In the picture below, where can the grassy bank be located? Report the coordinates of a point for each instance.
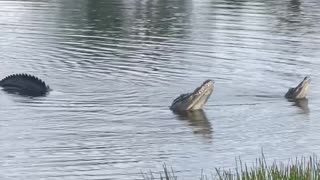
(304, 168)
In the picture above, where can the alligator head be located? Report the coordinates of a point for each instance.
(24, 84)
(195, 100)
(301, 91)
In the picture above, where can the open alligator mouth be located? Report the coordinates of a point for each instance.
(195, 100)
(24, 84)
(301, 91)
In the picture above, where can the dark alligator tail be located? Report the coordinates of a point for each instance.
(24, 84)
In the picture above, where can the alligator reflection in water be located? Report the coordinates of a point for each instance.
(302, 104)
(198, 122)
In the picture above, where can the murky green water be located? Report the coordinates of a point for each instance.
(115, 67)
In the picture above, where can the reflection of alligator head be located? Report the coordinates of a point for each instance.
(195, 100)
(302, 104)
(24, 84)
(301, 91)
(197, 121)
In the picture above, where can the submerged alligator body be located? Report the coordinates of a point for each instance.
(195, 100)
(301, 91)
(24, 84)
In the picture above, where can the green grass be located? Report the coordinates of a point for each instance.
(294, 169)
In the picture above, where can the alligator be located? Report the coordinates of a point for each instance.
(299, 92)
(195, 100)
(25, 85)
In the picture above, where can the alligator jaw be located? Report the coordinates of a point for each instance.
(201, 99)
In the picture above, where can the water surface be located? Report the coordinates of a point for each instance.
(115, 67)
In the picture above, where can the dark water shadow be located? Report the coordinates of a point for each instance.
(118, 37)
(198, 122)
(302, 104)
(145, 19)
(294, 6)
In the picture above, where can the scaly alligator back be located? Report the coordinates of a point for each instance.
(24, 84)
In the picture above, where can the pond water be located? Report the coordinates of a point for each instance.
(115, 66)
